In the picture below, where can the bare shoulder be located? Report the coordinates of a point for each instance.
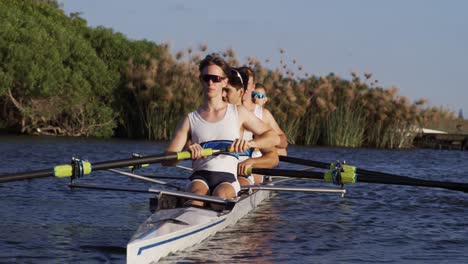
(241, 109)
(267, 113)
(267, 116)
(184, 123)
(270, 120)
(243, 112)
(181, 135)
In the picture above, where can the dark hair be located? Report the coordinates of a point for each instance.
(214, 59)
(234, 79)
(246, 73)
(259, 85)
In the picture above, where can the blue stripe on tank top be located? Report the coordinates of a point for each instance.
(220, 144)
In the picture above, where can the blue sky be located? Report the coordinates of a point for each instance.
(420, 46)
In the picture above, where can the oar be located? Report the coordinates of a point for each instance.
(368, 178)
(324, 165)
(86, 167)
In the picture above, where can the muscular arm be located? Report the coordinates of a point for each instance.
(269, 119)
(265, 137)
(269, 159)
(178, 140)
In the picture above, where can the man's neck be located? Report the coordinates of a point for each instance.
(213, 105)
(249, 104)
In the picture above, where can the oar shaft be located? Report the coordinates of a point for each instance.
(95, 167)
(324, 165)
(407, 181)
(26, 175)
(105, 165)
(381, 179)
(306, 162)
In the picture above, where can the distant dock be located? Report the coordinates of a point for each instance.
(442, 141)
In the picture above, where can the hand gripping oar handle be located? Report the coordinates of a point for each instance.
(67, 169)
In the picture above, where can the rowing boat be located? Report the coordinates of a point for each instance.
(174, 229)
(171, 230)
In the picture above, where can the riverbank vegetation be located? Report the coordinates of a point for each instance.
(60, 77)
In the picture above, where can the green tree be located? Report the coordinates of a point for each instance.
(52, 81)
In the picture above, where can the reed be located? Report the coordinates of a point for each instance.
(311, 128)
(344, 128)
(341, 119)
(159, 91)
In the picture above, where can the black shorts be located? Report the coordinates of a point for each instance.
(213, 178)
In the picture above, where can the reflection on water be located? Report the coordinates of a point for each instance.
(45, 222)
(252, 238)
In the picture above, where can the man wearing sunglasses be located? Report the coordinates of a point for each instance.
(217, 124)
(248, 76)
(259, 95)
(241, 84)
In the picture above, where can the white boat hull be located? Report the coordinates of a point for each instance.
(171, 230)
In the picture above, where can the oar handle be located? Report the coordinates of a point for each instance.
(66, 170)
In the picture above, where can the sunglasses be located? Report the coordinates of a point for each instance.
(256, 95)
(214, 78)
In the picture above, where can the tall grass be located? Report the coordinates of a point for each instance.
(311, 128)
(344, 127)
(159, 92)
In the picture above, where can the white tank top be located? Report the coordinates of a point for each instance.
(226, 129)
(258, 112)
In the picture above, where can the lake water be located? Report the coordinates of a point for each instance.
(43, 221)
